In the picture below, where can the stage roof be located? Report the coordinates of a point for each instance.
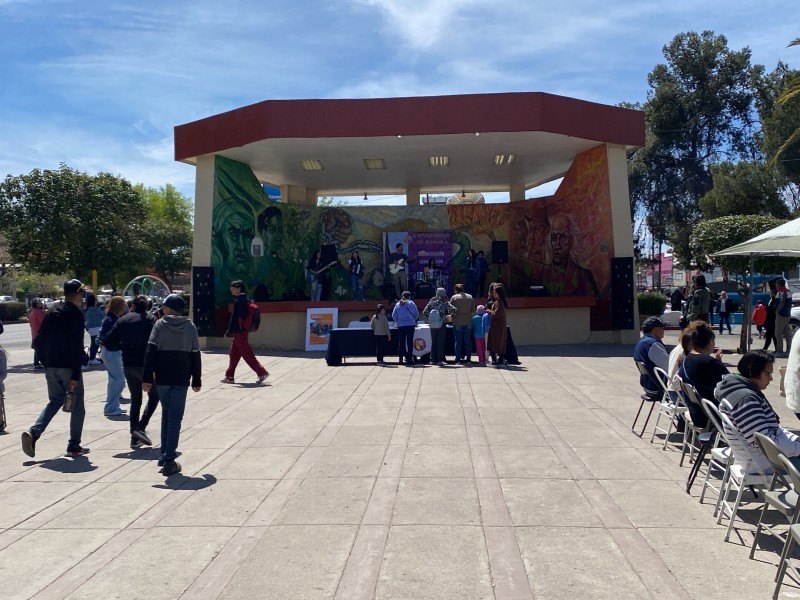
(544, 132)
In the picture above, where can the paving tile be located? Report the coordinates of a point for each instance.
(327, 502)
(445, 434)
(547, 502)
(350, 435)
(437, 461)
(433, 501)
(526, 434)
(348, 461)
(22, 500)
(431, 562)
(271, 462)
(619, 463)
(225, 504)
(528, 461)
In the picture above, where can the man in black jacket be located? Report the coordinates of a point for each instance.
(130, 334)
(60, 346)
(240, 346)
(172, 360)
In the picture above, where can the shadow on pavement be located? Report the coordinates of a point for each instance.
(80, 464)
(181, 482)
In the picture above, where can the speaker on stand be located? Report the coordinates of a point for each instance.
(203, 300)
(500, 257)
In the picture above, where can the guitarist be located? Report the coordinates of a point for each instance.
(318, 275)
(398, 263)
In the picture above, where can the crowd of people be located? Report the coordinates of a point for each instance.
(485, 325)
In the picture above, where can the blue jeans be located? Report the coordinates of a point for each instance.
(357, 285)
(724, 318)
(116, 380)
(173, 405)
(57, 384)
(463, 335)
(316, 290)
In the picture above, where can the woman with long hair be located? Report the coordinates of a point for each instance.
(497, 338)
(356, 268)
(94, 321)
(703, 368)
(112, 357)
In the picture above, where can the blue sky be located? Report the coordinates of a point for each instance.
(100, 85)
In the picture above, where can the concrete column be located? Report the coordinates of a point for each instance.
(412, 196)
(203, 211)
(516, 192)
(298, 194)
(311, 197)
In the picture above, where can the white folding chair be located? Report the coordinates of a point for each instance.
(721, 457)
(667, 408)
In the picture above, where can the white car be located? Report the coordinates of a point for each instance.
(7, 299)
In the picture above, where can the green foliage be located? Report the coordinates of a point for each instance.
(11, 311)
(712, 235)
(788, 100)
(68, 221)
(651, 303)
(744, 188)
(169, 230)
(779, 111)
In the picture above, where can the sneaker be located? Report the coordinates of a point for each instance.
(38, 367)
(227, 380)
(263, 378)
(119, 413)
(76, 451)
(29, 442)
(161, 462)
(441, 363)
(170, 468)
(140, 435)
(94, 362)
(135, 444)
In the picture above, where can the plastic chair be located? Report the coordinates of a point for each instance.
(668, 408)
(793, 535)
(721, 457)
(784, 501)
(692, 434)
(744, 472)
(647, 396)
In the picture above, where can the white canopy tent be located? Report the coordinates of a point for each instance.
(783, 241)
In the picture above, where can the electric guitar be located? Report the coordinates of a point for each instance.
(312, 275)
(397, 266)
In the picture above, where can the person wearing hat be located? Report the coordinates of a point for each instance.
(240, 346)
(59, 344)
(172, 361)
(651, 351)
(438, 323)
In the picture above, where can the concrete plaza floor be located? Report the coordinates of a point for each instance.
(367, 482)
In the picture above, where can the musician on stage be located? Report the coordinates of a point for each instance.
(317, 274)
(398, 269)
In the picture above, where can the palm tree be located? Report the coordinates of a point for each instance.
(790, 92)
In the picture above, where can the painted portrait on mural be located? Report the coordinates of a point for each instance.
(563, 275)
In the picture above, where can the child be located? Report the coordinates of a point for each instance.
(480, 334)
(487, 319)
(380, 326)
(3, 374)
(759, 317)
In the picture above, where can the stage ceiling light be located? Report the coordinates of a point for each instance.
(504, 159)
(439, 161)
(311, 165)
(374, 164)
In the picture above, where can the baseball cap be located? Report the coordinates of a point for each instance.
(651, 323)
(175, 302)
(73, 286)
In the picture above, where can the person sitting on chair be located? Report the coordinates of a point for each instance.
(651, 351)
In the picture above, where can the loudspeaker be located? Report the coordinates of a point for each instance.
(203, 300)
(329, 253)
(499, 252)
(622, 293)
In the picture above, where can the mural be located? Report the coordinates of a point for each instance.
(563, 242)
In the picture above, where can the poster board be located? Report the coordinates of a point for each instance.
(319, 323)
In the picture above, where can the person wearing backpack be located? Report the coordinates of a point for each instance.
(242, 319)
(439, 312)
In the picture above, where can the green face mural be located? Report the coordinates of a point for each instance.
(563, 239)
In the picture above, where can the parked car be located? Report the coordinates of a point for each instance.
(7, 299)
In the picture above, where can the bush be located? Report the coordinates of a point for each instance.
(11, 311)
(651, 303)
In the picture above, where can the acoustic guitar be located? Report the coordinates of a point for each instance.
(313, 275)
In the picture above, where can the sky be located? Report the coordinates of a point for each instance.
(100, 85)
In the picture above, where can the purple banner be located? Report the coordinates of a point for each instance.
(425, 246)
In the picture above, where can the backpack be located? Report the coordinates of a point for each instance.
(253, 319)
(435, 319)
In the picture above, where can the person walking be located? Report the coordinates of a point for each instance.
(439, 312)
(724, 306)
(405, 314)
(172, 360)
(379, 323)
(783, 311)
(238, 330)
(130, 334)
(112, 358)
(769, 322)
(94, 321)
(462, 323)
(759, 317)
(700, 305)
(60, 346)
(35, 318)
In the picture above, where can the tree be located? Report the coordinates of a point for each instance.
(169, 230)
(712, 235)
(744, 188)
(699, 111)
(65, 221)
(789, 100)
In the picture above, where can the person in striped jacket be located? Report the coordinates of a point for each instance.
(742, 399)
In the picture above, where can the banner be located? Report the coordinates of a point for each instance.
(319, 323)
(424, 246)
